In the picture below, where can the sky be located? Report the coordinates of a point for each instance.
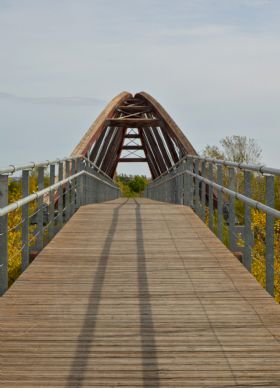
(212, 64)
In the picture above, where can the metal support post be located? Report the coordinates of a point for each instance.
(220, 202)
(51, 220)
(210, 197)
(60, 197)
(25, 221)
(269, 239)
(3, 235)
(232, 186)
(203, 191)
(40, 214)
(67, 191)
(248, 229)
(73, 187)
(196, 201)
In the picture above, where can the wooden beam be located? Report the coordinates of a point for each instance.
(132, 122)
(155, 149)
(132, 147)
(132, 136)
(133, 100)
(150, 154)
(135, 108)
(98, 126)
(132, 160)
(170, 123)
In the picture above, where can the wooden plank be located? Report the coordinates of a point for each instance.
(138, 293)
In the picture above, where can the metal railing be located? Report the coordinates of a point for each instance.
(47, 195)
(223, 194)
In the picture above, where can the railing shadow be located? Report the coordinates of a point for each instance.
(150, 376)
(91, 315)
(147, 331)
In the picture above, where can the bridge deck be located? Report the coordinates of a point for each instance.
(138, 293)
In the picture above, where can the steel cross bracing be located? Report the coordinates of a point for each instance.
(134, 129)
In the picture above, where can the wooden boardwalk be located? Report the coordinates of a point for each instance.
(138, 293)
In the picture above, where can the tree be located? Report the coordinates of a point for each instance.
(132, 185)
(239, 149)
(213, 152)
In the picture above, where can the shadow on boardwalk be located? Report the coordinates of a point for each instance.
(150, 371)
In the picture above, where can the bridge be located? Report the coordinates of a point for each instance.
(156, 291)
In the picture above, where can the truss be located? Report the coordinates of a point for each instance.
(134, 129)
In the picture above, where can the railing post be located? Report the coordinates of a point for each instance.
(73, 187)
(60, 196)
(210, 196)
(40, 214)
(203, 191)
(51, 204)
(247, 215)
(220, 202)
(67, 191)
(269, 236)
(4, 182)
(170, 184)
(25, 221)
(181, 180)
(196, 180)
(80, 191)
(187, 183)
(232, 186)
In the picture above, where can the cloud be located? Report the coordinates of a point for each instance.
(68, 101)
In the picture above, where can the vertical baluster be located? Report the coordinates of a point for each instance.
(269, 239)
(25, 221)
(191, 184)
(81, 184)
(4, 181)
(60, 205)
(203, 191)
(171, 186)
(40, 214)
(187, 183)
(51, 220)
(210, 197)
(196, 203)
(220, 202)
(86, 183)
(181, 169)
(248, 229)
(67, 191)
(73, 187)
(232, 186)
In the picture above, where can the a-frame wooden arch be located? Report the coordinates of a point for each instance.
(134, 129)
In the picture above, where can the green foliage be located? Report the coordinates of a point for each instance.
(132, 185)
(14, 226)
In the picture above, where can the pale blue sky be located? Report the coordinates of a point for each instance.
(213, 64)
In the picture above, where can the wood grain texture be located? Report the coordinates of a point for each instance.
(138, 293)
(99, 124)
(170, 123)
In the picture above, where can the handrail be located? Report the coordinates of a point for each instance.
(72, 183)
(256, 204)
(199, 182)
(241, 166)
(11, 169)
(24, 201)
